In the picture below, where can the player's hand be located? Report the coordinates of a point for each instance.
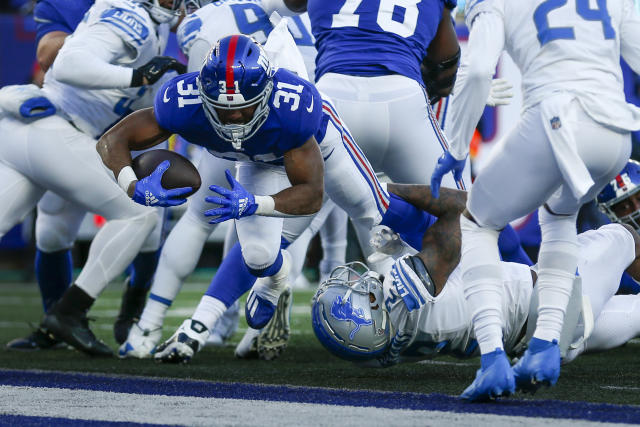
(500, 93)
(151, 72)
(235, 202)
(446, 163)
(150, 192)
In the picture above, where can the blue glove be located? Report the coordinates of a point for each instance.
(446, 164)
(235, 203)
(150, 192)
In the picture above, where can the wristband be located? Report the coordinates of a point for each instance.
(266, 205)
(126, 177)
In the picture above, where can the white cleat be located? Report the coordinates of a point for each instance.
(183, 345)
(247, 348)
(140, 343)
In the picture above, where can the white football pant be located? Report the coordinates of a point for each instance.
(50, 154)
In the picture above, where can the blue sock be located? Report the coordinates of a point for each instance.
(510, 247)
(403, 217)
(54, 273)
(232, 278)
(142, 269)
(628, 286)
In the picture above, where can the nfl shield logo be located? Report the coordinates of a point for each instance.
(555, 123)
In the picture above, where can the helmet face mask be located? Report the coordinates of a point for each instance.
(620, 199)
(236, 75)
(160, 13)
(348, 313)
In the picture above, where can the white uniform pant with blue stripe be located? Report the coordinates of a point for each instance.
(349, 181)
(392, 122)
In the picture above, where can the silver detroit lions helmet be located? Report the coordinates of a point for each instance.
(348, 314)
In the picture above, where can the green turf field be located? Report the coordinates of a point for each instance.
(612, 377)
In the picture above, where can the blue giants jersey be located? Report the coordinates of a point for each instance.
(295, 115)
(374, 37)
(59, 15)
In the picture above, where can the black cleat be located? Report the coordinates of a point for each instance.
(37, 340)
(74, 330)
(133, 300)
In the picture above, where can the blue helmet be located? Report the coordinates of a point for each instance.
(348, 313)
(620, 189)
(236, 74)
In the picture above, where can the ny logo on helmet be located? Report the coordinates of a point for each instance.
(343, 310)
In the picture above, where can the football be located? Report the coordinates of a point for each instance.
(181, 173)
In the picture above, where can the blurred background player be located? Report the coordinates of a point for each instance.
(561, 134)
(105, 43)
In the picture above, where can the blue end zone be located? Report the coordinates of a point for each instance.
(26, 421)
(391, 400)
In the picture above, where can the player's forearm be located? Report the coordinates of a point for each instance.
(473, 84)
(48, 48)
(137, 131)
(301, 199)
(450, 202)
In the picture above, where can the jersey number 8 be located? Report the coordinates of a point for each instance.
(347, 17)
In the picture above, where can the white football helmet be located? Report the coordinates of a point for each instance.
(348, 313)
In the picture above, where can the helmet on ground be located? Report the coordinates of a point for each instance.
(348, 313)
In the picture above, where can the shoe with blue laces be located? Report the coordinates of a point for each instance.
(493, 379)
(539, 366)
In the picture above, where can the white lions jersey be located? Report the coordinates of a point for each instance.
(444, 326)
(571, 46)
(94, 111)
(222, 18)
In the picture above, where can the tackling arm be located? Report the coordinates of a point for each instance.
(440, 66)
(137, 131)
(441, 243)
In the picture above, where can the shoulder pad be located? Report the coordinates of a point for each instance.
(128, 24)
(188, 32)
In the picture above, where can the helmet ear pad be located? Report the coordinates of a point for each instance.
(236, 74)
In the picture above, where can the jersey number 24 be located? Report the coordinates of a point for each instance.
(347, 17)
(547, 33)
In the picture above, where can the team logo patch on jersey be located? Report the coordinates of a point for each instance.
(128, 22)
(343, 310)
(555, 123)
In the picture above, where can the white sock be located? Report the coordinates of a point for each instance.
(209, 311)
(333, 237)
(482, 278)
(557, 263)
(153, 315)
(271, 287)
(112, 249)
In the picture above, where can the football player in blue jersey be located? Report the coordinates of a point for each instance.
(382, 62)
(289, 144)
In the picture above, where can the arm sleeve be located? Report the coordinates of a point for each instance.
(630, 35)
(197, 53)
(486, 42)
(85, 61)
